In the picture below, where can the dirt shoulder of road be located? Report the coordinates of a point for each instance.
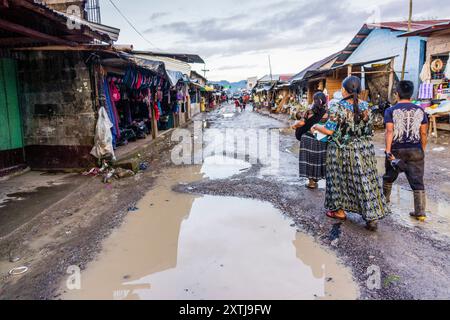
(413, 265)
(70, 232)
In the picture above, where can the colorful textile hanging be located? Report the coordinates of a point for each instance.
(112, 112)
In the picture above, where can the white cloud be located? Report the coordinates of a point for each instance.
(236, 36)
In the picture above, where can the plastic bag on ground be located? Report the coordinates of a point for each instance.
(103, 147)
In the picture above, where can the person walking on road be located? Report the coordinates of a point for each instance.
(352, 177)
(313, 152)
(406, 141)
(237, 103)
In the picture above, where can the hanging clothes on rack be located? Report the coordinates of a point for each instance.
(112, 112)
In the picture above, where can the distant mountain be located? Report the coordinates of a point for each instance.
(234, 86)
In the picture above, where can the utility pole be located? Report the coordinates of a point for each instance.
(405, 54)
(270, 68)
(205, 71)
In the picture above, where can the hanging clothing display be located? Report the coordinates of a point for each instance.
(425, 75)
(426, 91)
(112, 112)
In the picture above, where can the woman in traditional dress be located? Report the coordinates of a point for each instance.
(352, 177)
(313, 152)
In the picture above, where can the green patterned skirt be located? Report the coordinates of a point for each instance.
(352, 181)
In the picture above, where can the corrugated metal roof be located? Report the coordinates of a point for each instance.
(426, 32)
(314, 67)
(171, 64)
(174, 70)
(368, 28)
(276, 77)
(403, 25)
(105, 33)
(189, 58)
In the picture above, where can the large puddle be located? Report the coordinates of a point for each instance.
(220, 167)
(402, 201)
(179, 246)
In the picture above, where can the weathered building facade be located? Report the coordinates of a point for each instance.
(57, 109)
(47, 113)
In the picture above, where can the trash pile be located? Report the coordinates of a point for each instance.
(109, 173)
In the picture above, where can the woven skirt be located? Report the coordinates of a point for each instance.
(352, 181)
(313, 157)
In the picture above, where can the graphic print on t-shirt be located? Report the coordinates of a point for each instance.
(407, 124)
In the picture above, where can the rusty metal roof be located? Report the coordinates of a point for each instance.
(426, 32)
(403, 25)
(31, 23)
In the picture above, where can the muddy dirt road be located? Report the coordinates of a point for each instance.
(229, 229)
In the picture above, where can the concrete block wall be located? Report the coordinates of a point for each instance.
(438, 44)
(57, 109)
(63, 5)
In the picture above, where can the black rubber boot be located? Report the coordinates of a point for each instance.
(420, 204)
(387, 190)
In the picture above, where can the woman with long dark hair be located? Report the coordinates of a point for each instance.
(352, 177)
(313, 152)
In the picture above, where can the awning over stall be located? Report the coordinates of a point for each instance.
(154, 66)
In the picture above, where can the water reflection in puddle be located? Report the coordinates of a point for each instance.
(179, 246)
(220, 167)
(438, 211)
(403, 203)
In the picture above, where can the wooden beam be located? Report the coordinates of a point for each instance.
(391, 80)
(17, 41)
(349, 70)
(372, 72)
(7, 42)
(16, 28)
(81, 47)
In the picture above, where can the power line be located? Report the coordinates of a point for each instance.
(131, 24)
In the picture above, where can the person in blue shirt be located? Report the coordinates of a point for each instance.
(406, 141)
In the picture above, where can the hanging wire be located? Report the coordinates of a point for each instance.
(132, 26)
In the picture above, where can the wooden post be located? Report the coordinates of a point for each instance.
(405, 51)
(154, 123)
(363, 78)
(391, 79)
(349, 70)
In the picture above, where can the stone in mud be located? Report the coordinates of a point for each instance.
(123, 173)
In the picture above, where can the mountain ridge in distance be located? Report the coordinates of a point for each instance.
(235, 86)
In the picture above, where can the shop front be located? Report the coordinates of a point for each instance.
(434, 91)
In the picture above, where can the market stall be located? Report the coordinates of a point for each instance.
(434, 92)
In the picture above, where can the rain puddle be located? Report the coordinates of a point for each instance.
(438, 211)
(220, 167)
(403, 203)
(179, 246)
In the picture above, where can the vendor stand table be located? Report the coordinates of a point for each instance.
(434, 125)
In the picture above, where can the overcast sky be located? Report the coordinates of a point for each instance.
(235, 37)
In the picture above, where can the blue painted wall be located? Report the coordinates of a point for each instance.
(382, 43)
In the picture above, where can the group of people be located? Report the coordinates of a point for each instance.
(241, 103)
(336, 145)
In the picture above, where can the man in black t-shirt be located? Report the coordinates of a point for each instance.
(406, 140)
